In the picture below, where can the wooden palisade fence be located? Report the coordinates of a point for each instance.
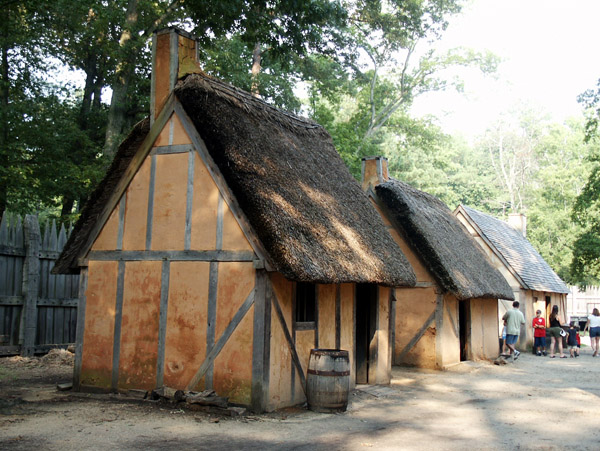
(38, 310)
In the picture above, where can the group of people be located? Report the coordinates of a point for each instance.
(514, 319)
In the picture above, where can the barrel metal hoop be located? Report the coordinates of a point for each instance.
(328, 373)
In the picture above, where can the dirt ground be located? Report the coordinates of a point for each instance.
(534, 403)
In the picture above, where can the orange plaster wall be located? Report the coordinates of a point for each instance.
(305, 341)
(483, 328)
(168, 222)
(163, 137)
(139, 327)
(326, 296)
(413, 307)
(347, 323)
(384, 367)
(448, 342)
(233, 237)
(204, 208)
(107, 239)
(280, 357)
(96, 366)
(180, 136)
(421, 272)
(136, 209)
(185, 346)
(233, 366)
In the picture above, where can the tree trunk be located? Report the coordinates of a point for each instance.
(125, 68)
(91, 72)
(256, 60)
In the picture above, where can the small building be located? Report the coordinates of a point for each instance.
(452, 313)
(226, 241)
(535, 284)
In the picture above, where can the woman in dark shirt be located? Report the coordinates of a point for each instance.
(554, 332)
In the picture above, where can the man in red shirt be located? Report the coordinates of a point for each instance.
(539, 333)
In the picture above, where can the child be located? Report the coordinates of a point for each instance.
(539, 333)
(572, 340)
(505, 350)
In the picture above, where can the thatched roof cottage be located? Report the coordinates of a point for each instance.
(226, 241)
(452, 313)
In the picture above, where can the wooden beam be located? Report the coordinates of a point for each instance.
(211, 318)
(150, 210)
(170, 149)
(122, 205)
(162, 321)
(79, 334)
(260, 343)
(216, 349)
(338, 316)
(189, 201)
(206, 256)
(117, 331)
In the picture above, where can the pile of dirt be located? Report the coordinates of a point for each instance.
(58, 357)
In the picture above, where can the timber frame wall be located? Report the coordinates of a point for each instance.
(175, 289)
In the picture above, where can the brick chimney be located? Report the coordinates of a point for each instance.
(174, 54)
(374, 171)
(518, 221)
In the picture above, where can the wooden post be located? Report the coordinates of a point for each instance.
(83, 279)
(31, 273)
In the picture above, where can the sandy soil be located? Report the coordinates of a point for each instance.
(534, 403)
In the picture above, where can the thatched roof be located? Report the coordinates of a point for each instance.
(518, 253)
(310, 215)
(451, 255)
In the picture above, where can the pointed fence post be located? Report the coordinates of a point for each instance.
(31, 271)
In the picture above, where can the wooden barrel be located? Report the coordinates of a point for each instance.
(328, 380)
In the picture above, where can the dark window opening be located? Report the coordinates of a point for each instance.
(305, 302)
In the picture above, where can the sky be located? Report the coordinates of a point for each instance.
(549, 52)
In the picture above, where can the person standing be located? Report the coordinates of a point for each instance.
(514, 320)
(593, 324)
(539, 333)
(554, 332)
(572, 340)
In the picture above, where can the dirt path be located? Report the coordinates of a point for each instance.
(535, 403)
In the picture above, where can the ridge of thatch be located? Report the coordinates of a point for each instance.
(66, 262)
(518, 252)
(452, 256)
(308, 211)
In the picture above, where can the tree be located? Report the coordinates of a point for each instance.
(380, 86)
(585, 266)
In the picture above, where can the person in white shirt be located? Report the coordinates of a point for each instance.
(593, 324)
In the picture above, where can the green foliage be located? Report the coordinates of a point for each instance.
(586, 213)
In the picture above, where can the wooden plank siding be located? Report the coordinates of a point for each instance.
(26, 261)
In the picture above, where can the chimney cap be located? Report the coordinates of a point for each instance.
(177, 30)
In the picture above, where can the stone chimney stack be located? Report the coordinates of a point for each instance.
(374, 171)
(518, 221)
(174, 54)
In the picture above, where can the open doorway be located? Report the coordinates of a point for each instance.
(463, 328)
(366, 326)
